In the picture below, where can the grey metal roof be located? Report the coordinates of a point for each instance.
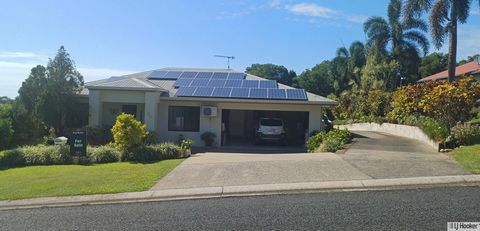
(139, 81)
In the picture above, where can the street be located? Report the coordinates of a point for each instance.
(413, 209)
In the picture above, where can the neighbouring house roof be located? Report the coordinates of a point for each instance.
(471, 68)
(141, 81)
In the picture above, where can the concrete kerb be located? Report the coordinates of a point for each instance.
(244, 190)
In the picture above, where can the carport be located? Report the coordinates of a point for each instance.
(239, 126)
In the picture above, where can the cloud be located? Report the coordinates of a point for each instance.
(16, 54)
(311, 10)
(475, 11)
(15, 68)
(467, 42)
(275, 3)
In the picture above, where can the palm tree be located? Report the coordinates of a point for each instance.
(404, 36)
(353, 59)
(444, 17)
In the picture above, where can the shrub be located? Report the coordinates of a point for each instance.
(314, 141)
(330, 141)
(208, 138)
(103, 154)
(434, 129)
(127, 132)
(12, 157)
(98, 136)
(151, 138)
(330, 144)
(465, 134)
(161, 151)
(6, 132)
(46, 155)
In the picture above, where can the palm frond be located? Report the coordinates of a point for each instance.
(462, 7)
(342, 52)
(394, 11)
(414, 8)
(415, 23)
(419, 39)
(438, 17)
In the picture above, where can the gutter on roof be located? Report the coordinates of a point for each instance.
(126, 88)
(301, 102)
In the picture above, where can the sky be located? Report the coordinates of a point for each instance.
(110, 38)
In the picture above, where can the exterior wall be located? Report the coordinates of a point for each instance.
(110, 111)
(213, 124)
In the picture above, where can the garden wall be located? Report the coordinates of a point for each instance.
(393, 129)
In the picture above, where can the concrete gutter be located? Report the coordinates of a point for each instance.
(244, 190)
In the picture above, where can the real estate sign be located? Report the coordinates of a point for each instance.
(78, 143)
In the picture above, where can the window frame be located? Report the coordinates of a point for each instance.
(190, 113)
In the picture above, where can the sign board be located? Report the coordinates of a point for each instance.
(78, 143)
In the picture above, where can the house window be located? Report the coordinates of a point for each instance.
(130, 109)
(183, 118)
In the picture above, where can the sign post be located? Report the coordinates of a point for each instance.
(78, 143)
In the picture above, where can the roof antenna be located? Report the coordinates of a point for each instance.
(226, 57)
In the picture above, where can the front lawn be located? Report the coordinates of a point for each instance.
(66, 180)
(468, 157)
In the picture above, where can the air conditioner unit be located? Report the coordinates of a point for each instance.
(209, 111)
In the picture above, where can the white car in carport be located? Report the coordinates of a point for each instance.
(270, 129)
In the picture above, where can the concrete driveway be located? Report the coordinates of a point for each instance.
(372, 156)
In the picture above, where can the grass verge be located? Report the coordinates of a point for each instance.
(468, 157)
(67, 180)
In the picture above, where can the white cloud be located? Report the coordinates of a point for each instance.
(275, 3)
(16, 54)
(467, 42)
(15, 68)
(311, 9)
(475, 10)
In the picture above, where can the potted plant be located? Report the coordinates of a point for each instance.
(186, 146)
(208, 138)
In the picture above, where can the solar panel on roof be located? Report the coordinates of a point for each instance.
(258, 93)
(183, 82)
(236, 75)
(233, 83)
(250, 84)
(268, 84)
(221, 92)
(219, 75)
(216, 82)
(185, 91)
(240, 92)
(188, 74)
(203, 91)
(199, 82)
(204, 75)
(275, 93)
(157, 74)
(296, 94)
(172, 74)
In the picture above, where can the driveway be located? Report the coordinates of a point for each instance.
(372, 156)
(379, 155)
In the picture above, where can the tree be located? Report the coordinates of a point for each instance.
(467, 60)
(274, 72)
(318, 80)
(48, 93)
(5, 100)
(6, 129)
(404, 36)
(347, 65)
(444, 18)
(432, 64)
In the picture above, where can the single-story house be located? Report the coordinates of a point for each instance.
(468, 69)
(187, 102)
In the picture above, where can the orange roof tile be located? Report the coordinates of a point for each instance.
(459, 70)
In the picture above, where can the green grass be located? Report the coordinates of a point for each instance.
(66, 180)
(468, 157)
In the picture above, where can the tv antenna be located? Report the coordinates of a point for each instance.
(226, 57)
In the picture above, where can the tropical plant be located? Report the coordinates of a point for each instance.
(208, 138)
(404, 36)
(347, 65)
(128, 132)
(444, 18)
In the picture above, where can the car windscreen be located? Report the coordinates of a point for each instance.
(271, 122)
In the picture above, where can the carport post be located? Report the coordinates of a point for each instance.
(315, 122)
